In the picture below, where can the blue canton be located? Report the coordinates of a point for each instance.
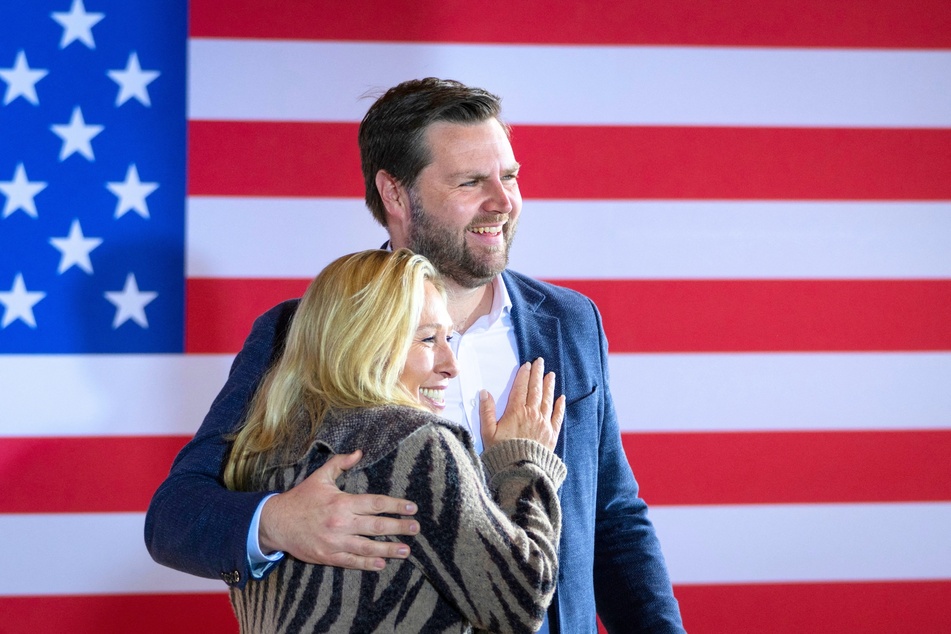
(92, 176)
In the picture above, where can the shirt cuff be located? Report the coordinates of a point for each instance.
(258, 562)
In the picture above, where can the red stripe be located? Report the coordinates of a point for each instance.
(772, 315)
(874, 23)
(672, 469)
(791, 467)
(219, 312)
(669, 315)
(119, 614)
(912, 606)
(869, 608)
(91, 474)
(733, 163)
(619, 162)
(273, 159)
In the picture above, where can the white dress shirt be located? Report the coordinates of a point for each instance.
(487, 359)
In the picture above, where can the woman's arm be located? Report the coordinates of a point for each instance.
(490, 549)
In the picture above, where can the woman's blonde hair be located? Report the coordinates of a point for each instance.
(345, 348)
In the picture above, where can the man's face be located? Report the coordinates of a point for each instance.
(466, 203)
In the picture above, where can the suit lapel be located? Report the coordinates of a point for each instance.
(537, 333)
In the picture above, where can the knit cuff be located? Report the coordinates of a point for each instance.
(511, 452)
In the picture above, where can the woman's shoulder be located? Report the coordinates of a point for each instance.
(378, 431)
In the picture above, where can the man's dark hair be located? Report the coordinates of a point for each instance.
(391, 133)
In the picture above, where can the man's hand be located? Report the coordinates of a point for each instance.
(316, 522)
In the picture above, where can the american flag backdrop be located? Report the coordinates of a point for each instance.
(756, 194)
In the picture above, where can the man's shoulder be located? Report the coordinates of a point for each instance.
(525, 289)
(280, 313)
(275, 321)
(521, 283)
(266, 340)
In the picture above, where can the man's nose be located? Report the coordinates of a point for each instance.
(499, 197)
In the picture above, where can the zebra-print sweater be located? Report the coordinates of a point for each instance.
(486, 554)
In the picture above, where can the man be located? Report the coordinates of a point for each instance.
(441, 176)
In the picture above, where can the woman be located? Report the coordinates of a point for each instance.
(365, 366)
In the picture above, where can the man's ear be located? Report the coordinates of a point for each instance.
(394, 196)
(395, 199)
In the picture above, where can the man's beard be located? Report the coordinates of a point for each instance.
(451, 255)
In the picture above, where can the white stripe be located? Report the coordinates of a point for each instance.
(104, 553)
(236, 237)
(95, 553)
(733, 240)
(129, 395)
(101, 395)
(750, 392)
(755, 86)
(800, 542)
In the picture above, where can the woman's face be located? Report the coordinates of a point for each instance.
(430, 362)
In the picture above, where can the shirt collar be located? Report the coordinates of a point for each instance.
(501, 300)
(499, 315)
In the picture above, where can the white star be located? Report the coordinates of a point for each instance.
(75, 249)
(19, 303)
(77, 24)
(20, 193)
(77, 136)
(130, 303)
(21, 80)
(133, 81)
(132, 193)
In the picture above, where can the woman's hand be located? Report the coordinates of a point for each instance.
(532, 411)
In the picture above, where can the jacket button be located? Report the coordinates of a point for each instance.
(231, 578)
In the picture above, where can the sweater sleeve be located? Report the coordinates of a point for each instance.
(491, 549)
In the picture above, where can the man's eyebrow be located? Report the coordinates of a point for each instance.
(473, 175)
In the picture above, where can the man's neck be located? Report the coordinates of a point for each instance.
(466, 305)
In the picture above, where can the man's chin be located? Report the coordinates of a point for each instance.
(473, 276)
(465, 266)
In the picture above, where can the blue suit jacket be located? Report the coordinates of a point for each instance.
(609, 556)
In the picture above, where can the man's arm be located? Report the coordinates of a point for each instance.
(632, 585)
(194, 524)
